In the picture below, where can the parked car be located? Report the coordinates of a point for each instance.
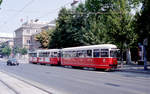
(12, 62)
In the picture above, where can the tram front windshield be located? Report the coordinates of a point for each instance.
(114, 53)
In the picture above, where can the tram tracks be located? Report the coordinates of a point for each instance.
(9, 87)
(12, 87)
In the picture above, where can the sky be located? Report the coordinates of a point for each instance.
(15, 12)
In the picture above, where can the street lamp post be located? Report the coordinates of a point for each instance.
(145, 42)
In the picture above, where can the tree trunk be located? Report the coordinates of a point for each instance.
(128, 56)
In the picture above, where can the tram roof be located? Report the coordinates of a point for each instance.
(44, 50)
(100, 46)
(47, 50)
(32, 52)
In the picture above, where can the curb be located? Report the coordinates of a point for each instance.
(134, 71)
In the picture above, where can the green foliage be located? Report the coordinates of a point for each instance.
(1, 1)
(16, 50)
(59, 36)
(23, 51)
(96, 22)
(96, 6)
(3, 45)
(6, 51)
(68, 30)
(44, 37)
(120, 25)
(143, 24)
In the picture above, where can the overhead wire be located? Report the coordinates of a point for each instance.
(26, 5)
(51, 12)
(19, 11)
(29, 3)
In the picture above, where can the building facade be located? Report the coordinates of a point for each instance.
(24, 36)
(10, 43)
(5, 39)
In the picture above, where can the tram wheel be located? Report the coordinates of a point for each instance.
(107, 70)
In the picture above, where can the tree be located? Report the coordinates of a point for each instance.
(60, 36)
(23, 51)
(96, 22)
(1, 1)
(16, 50)
(96, 32)
(68, 30)
(143, 26)
(44, 37)
(120, 25)
(6, 51)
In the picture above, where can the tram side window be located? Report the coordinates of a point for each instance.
(40, 54)
(96, 53)
(80, 53)
(66, 54)
(54, 54)
(104, 53)
(89, 53)
(74, 53)
(84, 53)
(113, 53)
(46, 54)
(33, 55)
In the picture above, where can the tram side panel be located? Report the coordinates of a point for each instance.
(105, 63)
(101, 63)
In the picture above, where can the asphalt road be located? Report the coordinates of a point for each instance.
(61, 80)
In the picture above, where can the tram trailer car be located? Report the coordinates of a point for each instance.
(33, 57)
(102, 56)
(50, 56)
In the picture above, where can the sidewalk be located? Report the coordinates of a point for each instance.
(12, 85)
(134, 68)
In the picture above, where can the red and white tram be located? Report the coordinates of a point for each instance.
(102, 56)
(50, 56)
(96, 56)
(33, 57)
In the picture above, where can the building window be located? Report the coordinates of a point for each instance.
(28, 31)
(28, 41)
